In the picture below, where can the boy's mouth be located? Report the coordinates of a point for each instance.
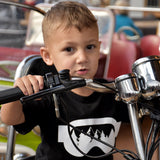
(82, 71)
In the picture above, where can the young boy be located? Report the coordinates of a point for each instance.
(71, 42)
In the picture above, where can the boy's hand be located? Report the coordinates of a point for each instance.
(30, 84)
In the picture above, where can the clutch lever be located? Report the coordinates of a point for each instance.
(72, 84)
(68, 85)
(63, 84)
(55, 84)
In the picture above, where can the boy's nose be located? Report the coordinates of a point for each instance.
(82, 57)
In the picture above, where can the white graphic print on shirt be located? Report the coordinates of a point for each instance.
(85, 143)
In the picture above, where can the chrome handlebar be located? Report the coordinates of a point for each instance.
(144, 81)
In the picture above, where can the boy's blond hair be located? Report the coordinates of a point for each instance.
(65, 15)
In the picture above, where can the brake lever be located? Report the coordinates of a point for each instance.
(57, 85)
(68, 85)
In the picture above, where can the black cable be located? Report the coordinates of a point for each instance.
(107, 144)
(155, 132)
(150, 107)
(80, 131)
(114, 90)
(148, 138)
(24, 6)
(89, 156)
(129, 157)
(151, 146)
(154, 117)
(156, 144)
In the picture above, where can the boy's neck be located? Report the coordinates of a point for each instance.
(83, 91)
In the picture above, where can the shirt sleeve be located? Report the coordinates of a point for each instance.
(33, 111)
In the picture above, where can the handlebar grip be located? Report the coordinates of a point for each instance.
(10, 95)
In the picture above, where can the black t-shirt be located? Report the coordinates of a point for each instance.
(98, 115)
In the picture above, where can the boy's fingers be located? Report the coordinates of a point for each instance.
(19, 83)
(37, 83)
(27, 82)
(30, 84)
(40, 81)
(33, 83)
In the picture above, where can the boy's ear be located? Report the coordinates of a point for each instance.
(46, 56)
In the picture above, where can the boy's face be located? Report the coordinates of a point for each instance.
(73, 50)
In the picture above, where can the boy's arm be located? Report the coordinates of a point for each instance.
(12, 113)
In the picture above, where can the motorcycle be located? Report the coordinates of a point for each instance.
(143, 82)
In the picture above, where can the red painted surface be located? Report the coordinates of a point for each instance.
(15, 54)
(12, 54)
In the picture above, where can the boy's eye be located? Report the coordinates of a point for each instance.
(91, 46)
(69, 49)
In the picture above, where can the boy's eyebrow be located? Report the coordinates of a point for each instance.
(87, 41)
(93, 40)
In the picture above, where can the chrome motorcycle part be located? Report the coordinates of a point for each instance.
(148, 70)
(128, 87)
